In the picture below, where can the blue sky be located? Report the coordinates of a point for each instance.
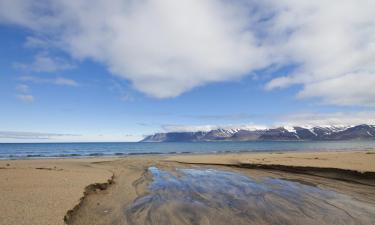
(84, 84)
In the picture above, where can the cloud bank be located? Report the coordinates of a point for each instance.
(43, 137)
(195, 128)
(167, 47)
(328, 119)
(299, 119)
(31, 135)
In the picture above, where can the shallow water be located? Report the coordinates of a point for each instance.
(210, 196)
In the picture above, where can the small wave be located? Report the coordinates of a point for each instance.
(96, 154)
(68, 155)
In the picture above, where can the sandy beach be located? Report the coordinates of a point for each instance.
(42, 191)
(99, 190)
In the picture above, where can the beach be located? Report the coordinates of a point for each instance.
(187, 112)
(101, 190)
(41, 191)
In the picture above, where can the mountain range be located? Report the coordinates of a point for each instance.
(286, 133)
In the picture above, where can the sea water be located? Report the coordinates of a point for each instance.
(36, 150)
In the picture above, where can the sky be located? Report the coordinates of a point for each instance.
(97, 70)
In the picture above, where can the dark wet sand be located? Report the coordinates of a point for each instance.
(157, 191)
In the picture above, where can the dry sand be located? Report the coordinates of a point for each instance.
(41, 192)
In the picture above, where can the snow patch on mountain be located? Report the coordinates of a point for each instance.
(251, 133)
(290, 129)
(232, 129)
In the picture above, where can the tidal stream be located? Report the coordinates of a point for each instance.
(211, 196)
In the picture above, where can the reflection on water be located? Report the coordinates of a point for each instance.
(207, 196)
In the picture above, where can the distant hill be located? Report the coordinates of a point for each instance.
(318, 133)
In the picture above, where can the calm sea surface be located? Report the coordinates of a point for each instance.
(130, 148)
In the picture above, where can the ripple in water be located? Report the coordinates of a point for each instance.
(208, 196)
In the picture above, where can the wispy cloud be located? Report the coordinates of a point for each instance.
(122, 90)
(127, 98)
(31, 135)
(298, 119)
(65, 81)
(336, 118)
(26, 98)
(56, 81)
(235, 116)
(22, 137)
(22, 88)
(39, 43)
(43, 62)
(192, 128)
(351, 89)
(23, 93)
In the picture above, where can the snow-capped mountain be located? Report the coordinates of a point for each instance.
(289, 133)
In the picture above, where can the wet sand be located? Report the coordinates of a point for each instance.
(49, 191)
(198, 195)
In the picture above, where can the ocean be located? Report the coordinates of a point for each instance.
(61, 150)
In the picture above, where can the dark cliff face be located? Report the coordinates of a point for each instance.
(360, 132)
(217, 135)
(246, 135)
(279, 134)
(175, 137)
(365, 132)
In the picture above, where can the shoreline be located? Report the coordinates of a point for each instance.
(46, 191)
(162, 154)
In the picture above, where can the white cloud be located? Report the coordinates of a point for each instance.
(298, 119)
(164, 47)
(44, 137)
(23, 91)
(321, 119)
(30, 135)
(350, 89)
(57, 81)
(24, 95)
(193, 128)
(167, 47)
(65, 81)
(45, 63)
(35, 42)
(334, 44)
(236, 116)
(187, 128)
(26, 98)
